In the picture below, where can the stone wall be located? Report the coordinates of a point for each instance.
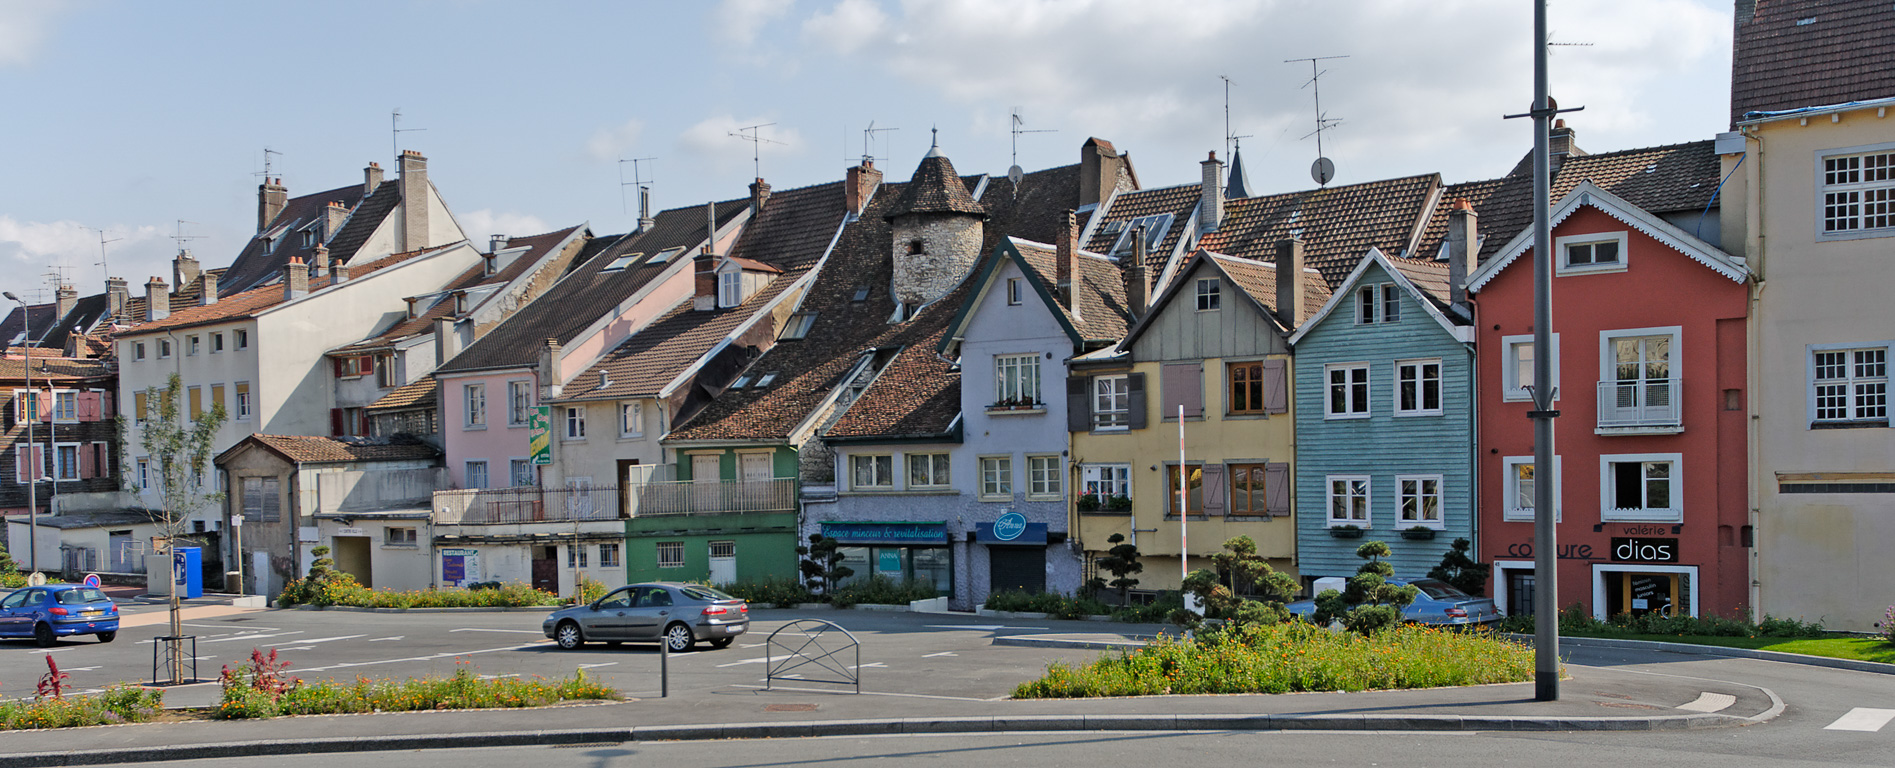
(949, 245)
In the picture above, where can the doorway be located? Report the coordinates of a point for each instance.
(723, 562)
(1520, 594)
(352, 557)
(546, 569)
(1016, 569)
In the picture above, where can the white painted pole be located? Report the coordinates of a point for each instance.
(1184, 507)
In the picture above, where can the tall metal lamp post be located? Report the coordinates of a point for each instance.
(32, 483)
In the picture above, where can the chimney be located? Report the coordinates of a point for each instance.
(1211, 195)
(341, 273)
(333, 216)
(184, 269)
(295, 279)
(1099, 167)
(447, 342)
(320, 267)
(207, 290)
(65, 296)
(414, 201)
(1560, 145)
(704, 294)
(117, 295)
(1137, 278)
(645, 221)
(1289, 282)
(371, 179)
(271, 197)
(860, 187)
(759, 193)
(549, 370)
(496, 243)
(157, 299)
(1066, 256)
(1463, 247)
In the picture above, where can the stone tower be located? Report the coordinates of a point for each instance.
(937, 229)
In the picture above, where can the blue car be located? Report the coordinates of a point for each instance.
(58, 610)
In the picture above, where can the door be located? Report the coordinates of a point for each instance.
(118, 547)
(756, 471)
(610, 620)
(352, 557)
(723, 562)
(1643, 377)
(649, 614)
(1016, 569)
(1519, 592)
(546, 569)
(13, 619)
(705, 471)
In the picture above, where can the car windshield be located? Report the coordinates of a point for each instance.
(704, 593)
(1439, 590)
(82, 596)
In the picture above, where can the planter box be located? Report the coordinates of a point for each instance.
(1346, 533)
(1423, 534)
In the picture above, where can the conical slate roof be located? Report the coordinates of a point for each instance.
(1239, 184)
(935, 188)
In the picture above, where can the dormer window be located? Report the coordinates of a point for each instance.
(309, 238)
(730, 289)
(798, 326)
(460, 304)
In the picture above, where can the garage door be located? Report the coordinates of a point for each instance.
(1016, 569)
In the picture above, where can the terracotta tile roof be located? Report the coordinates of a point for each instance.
(257, 264)
(1258, 278)
(419, 393)
(1430, 276)
(1338, 224)
(935, 188)
(1103, 315)
(442, 302)
(255, 300)
(307, 449)
(1789, 54)
(918, 394)
(52, 368)
(1179, 201)
(1033, 210)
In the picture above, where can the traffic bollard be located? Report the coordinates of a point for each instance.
(664, 669)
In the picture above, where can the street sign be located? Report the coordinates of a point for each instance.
(91, 580)
(236, 521)
(539, 420)
(179, 572)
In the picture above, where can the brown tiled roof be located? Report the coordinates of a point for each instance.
(14, 368)
(255, 300)
(1337, 224)
(256, 264)
(1430, 276)
(918, 394)
(935, 188)
(539, 247)
(1790, 54)
(1033, 210)
(1102, 314)
(1179, 201)
(1258, 278)
(307, 449)
(419, 393)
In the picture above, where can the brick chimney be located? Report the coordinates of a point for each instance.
(1290, 287)
(157, 299)
(1066, 256)
(295, 279)
(207, 289)
(1099, 167)
(184, 269)
(271, 197)
(1560, 145)
(1137, 278)
(549, 370)
(65, 297)
(371, 179)
(1211, 195)
(117, 295)
(333, 215)
(1463, 247)
(704, 281)
(319, 267)
(414, 201)
(759, 194)
(860, 186)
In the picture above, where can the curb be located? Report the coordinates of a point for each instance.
(1718, 650)
(1037, 641)
(492, 609)
(889, 726)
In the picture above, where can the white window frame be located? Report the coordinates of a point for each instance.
(393, 536)
(1402, 495)
(881, 471)
(138, 350)
(1106, 480)
(514, 475)
(519, 410)
(730, 288)
(217, 343)
(164, 349)
(1366, 501)
(934, 462)
(1851, 382)
(1883, 187)
(241, 396)
(1510, 490)
(668, 554)
(574, 420)
(1510, 368)
(240, 338)
(144, 473)
(1210, 294)
(467, 474)
(1421, 391)
(1671, 514)
(1350, 411)
(60, 465)
(996, 478)
(1372, 301)
(1563, 246)
(632, 419)
(1609, 359)
(1015, 375)
(1391, 303)
(1015, 296)
(609, 555)
(65, 406)
(1045, 475)
(474, 406)
(192, 344)
(1111, 403)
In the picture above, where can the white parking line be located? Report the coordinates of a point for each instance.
(758, 660)
(294, 648)
(313, 642)
(943, 653)
(482, 629)
(250, 637)
(1862, 719)
(379, 639)
(433, 657)
(594, 666)
(1709, 702)
(979, 627)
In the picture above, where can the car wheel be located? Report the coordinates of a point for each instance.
(567, 635)
(43, 634)
(679, 638)
(106, 637)
(722, 642)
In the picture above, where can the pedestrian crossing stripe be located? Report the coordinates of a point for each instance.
(1862, 719)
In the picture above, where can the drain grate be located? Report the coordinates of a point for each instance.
(1627, 705)
(789, 708)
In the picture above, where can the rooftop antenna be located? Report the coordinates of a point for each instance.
(1323, 170)
(868, 134)
(755, 137)
(1550, 44)
(395, 131)
(102, 241)
(1015, 173)
(1227, 135)
(638, 179)
(268, 171)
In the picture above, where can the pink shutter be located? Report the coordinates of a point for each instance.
(87, 470)
(39, 462)
(106, 403)
(89, 406)
(46, 405)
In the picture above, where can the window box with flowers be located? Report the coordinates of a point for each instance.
(1020, 404)
(1346, 532)
(1418, 533)
(1095, 502)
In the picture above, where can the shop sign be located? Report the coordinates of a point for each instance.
(460, 567)
(1632, 549)
(886, 533)
(539, 441)
(1016, 532)
(1009, 526)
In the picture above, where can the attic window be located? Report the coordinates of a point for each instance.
(309, 238)
(621, 262)
(741, 382)
(1156, 226)
(666, 254)
(915, 246)
(798, 326)
(768, 379)
(460, 304)
(861, 293)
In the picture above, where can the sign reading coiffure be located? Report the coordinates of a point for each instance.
(1638, 549)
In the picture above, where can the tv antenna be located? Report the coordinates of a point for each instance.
(182, 238)
(755, 137)
(1323, 170)
(1551, 44)
(268, 171)
(868, 136)
(638, 178)
(394, 133)
(1227, 134)
(1015, 173)
(102, 242)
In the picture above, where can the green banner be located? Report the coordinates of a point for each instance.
(540, 421)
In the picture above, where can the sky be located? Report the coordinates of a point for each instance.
(128, 117)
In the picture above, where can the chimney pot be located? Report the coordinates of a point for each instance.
(1137, 277)
(117, 295)
(1290, 289)
(66, 297)
(1211, 195)
(207, 289)
(860, 186)
(295, 279)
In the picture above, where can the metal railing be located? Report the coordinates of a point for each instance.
(1640, 403)
(818, 648)
(525, 504)
(686, 497)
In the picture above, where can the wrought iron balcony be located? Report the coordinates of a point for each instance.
(687, 497)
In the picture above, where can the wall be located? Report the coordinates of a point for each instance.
(950, 245)
(765, 546)
(498, 442)
(390, 567)
(204, 370)
(598, 454)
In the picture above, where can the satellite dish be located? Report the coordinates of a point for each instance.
(1014, 174)
(1322, 170)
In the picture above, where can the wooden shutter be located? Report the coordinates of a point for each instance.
(46, 405)
(140, 401)
(1135, 400)
(19, 406)
(101, 459)
(1078, 404)
(20, 473)
(340, 371)
(39, 468)
(1276, 386)
(88, 406)
(1276, 488)
(1214, 491)
(1184, 386)
(367, 364)
(87, 468)
(107, 403)
(335, 422)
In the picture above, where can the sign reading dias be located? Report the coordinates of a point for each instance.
(539, 420)
(1628, 549)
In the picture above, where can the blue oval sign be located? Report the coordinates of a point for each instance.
(1009, 526)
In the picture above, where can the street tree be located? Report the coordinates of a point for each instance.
(822, 563)
(179, 445)
(1122, 562)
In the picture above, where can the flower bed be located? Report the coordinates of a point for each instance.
(263, 688)
(118, 704)
(342, 589)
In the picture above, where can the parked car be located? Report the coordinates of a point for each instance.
(1437, 604)
(678, 615)
(53, 611)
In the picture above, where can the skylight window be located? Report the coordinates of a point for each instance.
(861, 293)
(666, 254)
(1155, 226)
(621, 262)
(767, 380)
(798, 326)
(741, 382)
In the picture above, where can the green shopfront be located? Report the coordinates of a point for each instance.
(897, 551)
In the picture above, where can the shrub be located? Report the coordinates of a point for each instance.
(1460, 570)
(259, 689)
(781, 591)
(117, 704)
(1122, 562)
(1237, 575)
(881, 590)
(589, 591)
(1576, 620)
(1888, 625)
(339, 588)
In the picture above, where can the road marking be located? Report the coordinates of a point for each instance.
(866, 693)
(751, 645)
(344, 665)
(758, 660)
(980, 627)
(497, 677)
(875, 664)
(480, 629)
(294, 648)
(81, 669)
(1862, 719)
(313, 642)
(247, 628)
(595, 666)
(251, 637)
(943, 653)
(379, 639)
(1710, 702)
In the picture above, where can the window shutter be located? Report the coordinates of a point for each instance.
(20, 473)
(368, 364)
(85, 406)
(335, 422)
(46, 405)
(1276, 386)
(1184, 386)
(337, 362)
(1135, 400)
(1276, 488)
(39, 462)
(1213, 488)
(1078, 404)
(101, 460)
(141, 402)
(106, 405)
(19, 405)
(86, 463)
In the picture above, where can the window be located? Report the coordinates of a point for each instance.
(875, 472)
(609, 556)
(1111, 402)
(1246, 388)
(144, 473)
(141, 403)
(576, 422)
(1858, 193)
(861, 293)
(730, 288)
(476, 413)
(164, 348)
(520, 473)
(217, 398)
(723, 549)
(1249, 494)
(261, 499)
(1365, 305)
(928, 470)
(1640, 487)
(385, 375)
(576, 556)
(798, 326)
(309, 238)
(1193, 487)
(1385, 297)
(917, 246)
(217, 343)
(1417, 387)
(996, 477)
(624, 261)
(1106, 481)
(1418, 501)
(671, 554)
(1043, 477)
(1518, 475)
(1517, 367)
(1637, 385)
(1851, 385)
(354, 366)
(65, 405)
(1348, 391)
(1602, 252)
(1391, 303)
(194, 396)
(1016, 379)
(476, 475)
(241, 338)
(1208, 294)
(398, 537)
(138, 350)
(1015, 292)
(191, 345)
(519, 402)
(1183, 389)
(1349, 500)
(767, 379)
(631, 419)
(66, 461)
(243, 400)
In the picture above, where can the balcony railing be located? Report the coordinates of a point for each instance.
(685, 497)
(526, 504)
(1644, 403)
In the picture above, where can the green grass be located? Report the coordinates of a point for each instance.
(118, 704)
(462, 690)
(1835, 647)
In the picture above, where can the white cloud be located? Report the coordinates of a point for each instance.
(481, 224)
(848, 27)
(30, 250)
(24, 25)
(739, 21)
(712, 140)
(611, 143)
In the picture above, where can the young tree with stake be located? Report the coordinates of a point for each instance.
(180, 451)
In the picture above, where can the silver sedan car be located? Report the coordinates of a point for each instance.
(678, 615)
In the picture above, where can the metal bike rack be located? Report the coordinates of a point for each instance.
(161, 651)
(817, 647)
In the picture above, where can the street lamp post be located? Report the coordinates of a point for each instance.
(32, 483)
